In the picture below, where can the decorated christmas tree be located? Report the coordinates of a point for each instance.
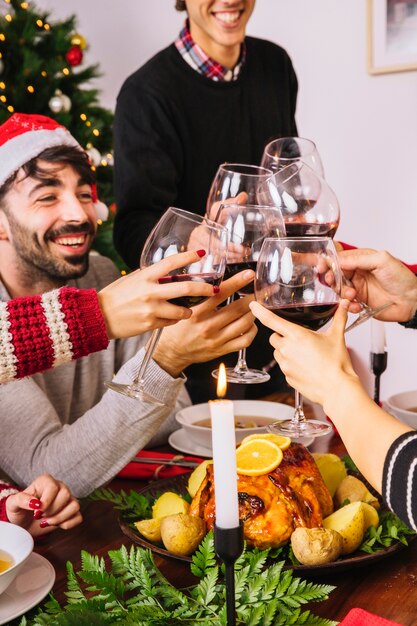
(42, 71)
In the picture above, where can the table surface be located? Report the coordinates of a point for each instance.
(387, 588)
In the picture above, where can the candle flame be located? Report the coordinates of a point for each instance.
(221, 381)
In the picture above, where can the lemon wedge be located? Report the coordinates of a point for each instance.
(257, 457)
(279, 440)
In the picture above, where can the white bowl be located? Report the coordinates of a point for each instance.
(268, 412)
(17, 543)
(400, 404)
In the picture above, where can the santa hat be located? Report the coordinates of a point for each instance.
(24, 137)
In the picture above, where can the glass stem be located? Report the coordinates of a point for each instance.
(299, 416)
(241, 365)
(150, 348)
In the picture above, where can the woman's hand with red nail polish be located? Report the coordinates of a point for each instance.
(47, 498)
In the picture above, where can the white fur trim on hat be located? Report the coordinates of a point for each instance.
(28, 145)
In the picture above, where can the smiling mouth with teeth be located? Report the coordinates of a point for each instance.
(72, 242)
(228, 18)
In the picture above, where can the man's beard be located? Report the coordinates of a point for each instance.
(38, 263)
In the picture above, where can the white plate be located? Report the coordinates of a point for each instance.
(179, 440)
(34, 581)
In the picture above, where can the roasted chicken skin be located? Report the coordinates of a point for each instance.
(271, 506)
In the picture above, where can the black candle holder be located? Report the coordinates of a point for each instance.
(378, 367)
(228, 544)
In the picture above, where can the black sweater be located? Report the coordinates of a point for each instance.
(173, 128)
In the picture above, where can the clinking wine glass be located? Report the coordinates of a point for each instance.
(284, 151)
(299, 279)
(179, 231)
(247, 225)
(239, 181)
(309, 207)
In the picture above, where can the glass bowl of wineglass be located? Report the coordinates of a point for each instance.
(179, 231)
(284, 151)
(237, 183)
(247, 225)
(308, 204)
(299, 279)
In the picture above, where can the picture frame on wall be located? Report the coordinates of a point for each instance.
(392, 36)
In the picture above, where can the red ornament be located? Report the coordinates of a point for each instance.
(74, 56)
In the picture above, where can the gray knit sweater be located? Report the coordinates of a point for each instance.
(64, 422)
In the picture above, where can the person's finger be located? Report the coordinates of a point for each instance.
(23, 500)
(269, 319)
(184, 288)
(227, 288)
(55, 497)
(241, 341)
(362, 258)
(61, 514)
(171, 263)
(339, 320)
(45, 488)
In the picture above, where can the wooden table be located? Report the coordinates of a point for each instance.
(387, 587)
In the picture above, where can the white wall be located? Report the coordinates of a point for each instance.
(365, 126)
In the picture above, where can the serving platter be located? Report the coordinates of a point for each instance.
(178, 484)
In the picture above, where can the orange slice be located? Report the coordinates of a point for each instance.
(279, 440)
(257, 457)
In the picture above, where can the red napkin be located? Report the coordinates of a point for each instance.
(359, 617)
(153, 471)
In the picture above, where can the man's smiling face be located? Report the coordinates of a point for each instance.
(51, 222)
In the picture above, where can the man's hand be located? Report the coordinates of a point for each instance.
(378, 278)
(210, 332)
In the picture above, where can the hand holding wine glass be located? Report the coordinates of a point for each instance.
(299, 279)
(171, 235)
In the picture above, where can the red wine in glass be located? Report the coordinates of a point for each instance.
(312, 316)
(303, 229)
(235, 268)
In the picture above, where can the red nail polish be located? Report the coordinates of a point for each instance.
(35, 503)
(38, 514)
(201, 252)
(43, 523)
(216, 289)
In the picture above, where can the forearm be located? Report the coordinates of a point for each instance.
(366, 430)
(40, 332)
(89, 452)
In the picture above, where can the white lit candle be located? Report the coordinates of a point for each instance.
(378, 342)
(224, 456)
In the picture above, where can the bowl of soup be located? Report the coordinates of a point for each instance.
(16, 546)
(251, 417)
(403, 406)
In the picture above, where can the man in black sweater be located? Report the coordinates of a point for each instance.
(212, 96)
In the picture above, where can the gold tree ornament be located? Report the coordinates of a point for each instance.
(79, 40)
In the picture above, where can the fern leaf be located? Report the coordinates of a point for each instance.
(205, 557)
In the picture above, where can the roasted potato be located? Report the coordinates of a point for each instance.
(169, 503)
(150, 529)
(354, 490)
(315, 546)
(332, 469)
(182, 533)
(349, 521)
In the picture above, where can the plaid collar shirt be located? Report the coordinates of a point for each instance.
(203, 64)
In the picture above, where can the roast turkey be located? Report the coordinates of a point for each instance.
(272, 506)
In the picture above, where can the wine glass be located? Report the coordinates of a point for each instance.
(178, 231)
(309, 207)
(308, 204)
(247, 225)
(239, 181)
(286, 150)
(299, 279)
